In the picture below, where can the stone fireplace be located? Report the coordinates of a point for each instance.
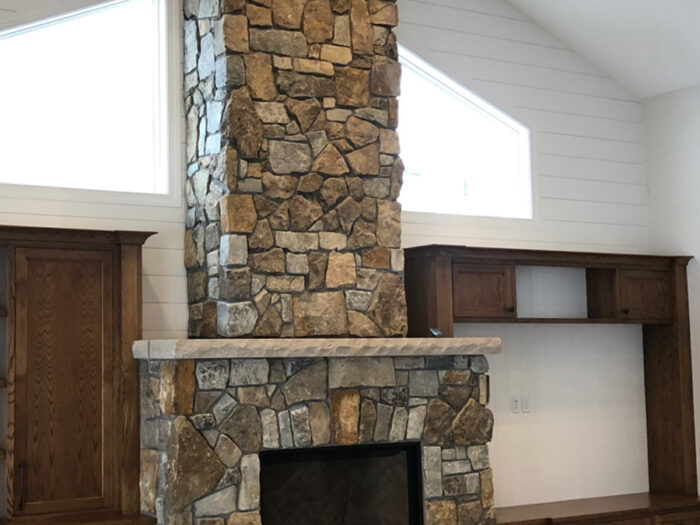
(297, 358)
(293, 228)
(212, 408)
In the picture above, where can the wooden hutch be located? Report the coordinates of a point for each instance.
(448, 284)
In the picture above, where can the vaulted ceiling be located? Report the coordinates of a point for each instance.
(650, 46)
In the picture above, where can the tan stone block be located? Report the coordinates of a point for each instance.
(258, 15)
(389, 224)
(345, 415)
(318, 21)
(341, 270)
(235, 28)
(285, 283)
(259, 78)
(386, 15)
(238, 213)
(486, 478)
(341, 33)
(271, 261)
(340, 6)
(386, 77)
(208, 320)
(242, 123)
(320, 422)
(288, 13)
(441, 512)
(389, 142)
(388, 307)
(319, 313)
(336, 54)
(352, 86)
(282, 62)
(313, 67)
(359, 325)
(148, 481)
(317, 270)
(330, 162)
(245, 518)
(303, 212)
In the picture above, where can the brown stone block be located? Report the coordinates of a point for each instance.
(258, 15)
(193, 467)
(242, 123)
(336, 54)
(261, 238)
(320, 313)
(244, 428)
(368, 420)
(271, 261)
(386, 77)
(487, 488)
(269, 325)
(279, 186)
(473, 425)
(330, 162)
(384, 13)
(300, 85)
(352, 86)
(259, 78)
(362, 235)
(303, 212)
(227, 167)
(389, 224)
(362, 32)
(469, 513)
(340, 6)
(365, 161)
(318, 21)
(376, 258)
(441, 512)
(305, 111)
(317, 270)
(238, 213)
(345, 415)
(388, 307)
(437, 421)
(320, 422)
(361, 132)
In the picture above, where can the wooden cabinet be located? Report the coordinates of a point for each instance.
(73, 387)
(482, 291)
(64, 351)
(646, 294)
(449, 284)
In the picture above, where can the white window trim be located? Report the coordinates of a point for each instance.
(171, 112)
(472, 221)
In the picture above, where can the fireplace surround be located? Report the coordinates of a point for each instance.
(210, 408)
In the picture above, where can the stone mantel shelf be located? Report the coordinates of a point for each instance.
(173, 349)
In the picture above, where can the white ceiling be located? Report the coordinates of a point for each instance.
(649, 46)
(19, 12)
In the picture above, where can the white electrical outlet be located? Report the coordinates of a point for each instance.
(524, 404)
(515, 405)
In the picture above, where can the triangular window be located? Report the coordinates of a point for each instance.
(463, 156)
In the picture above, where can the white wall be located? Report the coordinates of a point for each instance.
(588, 138)
(673, 135)
(586, 433)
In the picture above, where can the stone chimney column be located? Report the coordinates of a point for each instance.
(293, 169)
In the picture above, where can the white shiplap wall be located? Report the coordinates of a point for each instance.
(589, 179)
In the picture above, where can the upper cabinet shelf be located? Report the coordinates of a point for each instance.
(448, 284)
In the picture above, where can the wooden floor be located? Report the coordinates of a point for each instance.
(597, 510)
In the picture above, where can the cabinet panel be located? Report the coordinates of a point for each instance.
(483, 291)
(64, 445)
(686, 518)
(646, 294)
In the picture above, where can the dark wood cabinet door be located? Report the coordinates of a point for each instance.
(686, 518)
(64, 349)
(483, 291)
(646, 295)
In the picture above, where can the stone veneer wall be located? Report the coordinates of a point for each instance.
(293, 228)
(204, 423)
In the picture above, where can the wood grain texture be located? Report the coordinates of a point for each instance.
(485, 291)
(629, 509)
(64, 349)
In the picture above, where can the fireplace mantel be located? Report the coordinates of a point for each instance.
(174, 349)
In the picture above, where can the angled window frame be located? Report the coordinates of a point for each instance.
(169, 121)
(422, 67)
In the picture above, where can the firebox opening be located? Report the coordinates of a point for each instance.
(354, 485)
